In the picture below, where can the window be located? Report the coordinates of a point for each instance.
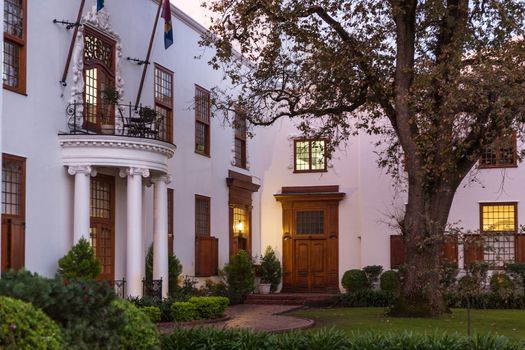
(310, 222)
(240, 140)
(498, 228)
(13, 212)
(99, 78)
(163, 91)
(202, 121)
(15, 18)
(501, 154)
(170, 220)
(310, 156)
(202, 216)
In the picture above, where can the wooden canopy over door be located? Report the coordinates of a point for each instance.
(240, 211)
(310, 238)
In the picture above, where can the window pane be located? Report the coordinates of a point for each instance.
(240, 153)
(100, 199)
(164, 121)
(310, 222)
(302, 155)
(12, 182)
(498, 218)
(240, 222)
(202, 216)
(318, 152)
(201, 137)
(202, 105)
(499, 249)
(163, 81)
(11, 74)
(14, 18)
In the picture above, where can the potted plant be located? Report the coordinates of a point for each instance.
(270, 272)
(110, 98)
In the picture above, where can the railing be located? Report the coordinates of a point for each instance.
(117, 119)
(152, 288)
(120, 287)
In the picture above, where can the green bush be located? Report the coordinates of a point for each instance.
(163, 305)
(210, 307)
(355, 280)
(449, 274)
(240, 277)
(152, 312)
(372, 273)
(174, 271)
(367, 298)
(79, 307)
(220, 339)
(183, 311)
(212, 289)
(79, 262)
(501, 284)
(135, 330)
(270, 269)
(22, 326)
(482, 300)
(390, 282)
(517, 270)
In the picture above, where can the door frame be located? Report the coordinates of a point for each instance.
(311, 197)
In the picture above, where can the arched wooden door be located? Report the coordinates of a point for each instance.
(310, 238)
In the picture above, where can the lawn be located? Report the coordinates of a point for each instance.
(510, 323)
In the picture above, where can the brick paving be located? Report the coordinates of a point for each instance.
(261, 318)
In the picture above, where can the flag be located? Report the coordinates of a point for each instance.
(100, 5)
(168, 30)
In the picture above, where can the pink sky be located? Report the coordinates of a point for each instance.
(192, 8)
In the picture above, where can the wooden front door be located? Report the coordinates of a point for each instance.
(103, 223)
(310, 238)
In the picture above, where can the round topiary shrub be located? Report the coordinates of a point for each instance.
(355, 280)
(501, 283)
(22, 326)
(135, 329)
(390, 282)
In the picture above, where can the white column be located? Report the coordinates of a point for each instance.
(81, 206)
(160, 231)
(134, 228)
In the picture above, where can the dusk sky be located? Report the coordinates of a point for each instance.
(192, 8)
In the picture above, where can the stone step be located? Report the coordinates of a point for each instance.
(288, 298)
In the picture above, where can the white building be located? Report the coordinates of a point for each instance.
(77, 165)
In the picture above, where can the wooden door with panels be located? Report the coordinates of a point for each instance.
(103, 224)
(310, 238)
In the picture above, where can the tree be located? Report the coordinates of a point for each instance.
(437, 80)
(80, 262)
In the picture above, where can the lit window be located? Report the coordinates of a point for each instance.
(310, 155)
(498, 226)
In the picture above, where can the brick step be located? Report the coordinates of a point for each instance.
(287, 298)
(274, 302)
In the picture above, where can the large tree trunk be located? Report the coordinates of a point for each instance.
(423, 232)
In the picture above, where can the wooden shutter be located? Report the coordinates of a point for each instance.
(13, 243)
(520, 248)
(206, 256)
(450, 250)
(473, 249)
(397, 251)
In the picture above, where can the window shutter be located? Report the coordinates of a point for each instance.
(473, 249)
(450, 250)
(397, 251)
(13, 243)
(520, 248)
(206, 256)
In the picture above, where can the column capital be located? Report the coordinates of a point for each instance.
(162, 178)
(82, 169)
(131, 171)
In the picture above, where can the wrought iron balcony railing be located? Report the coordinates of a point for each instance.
(152, 288)
(117, 119)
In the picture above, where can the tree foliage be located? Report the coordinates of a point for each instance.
(80, 262)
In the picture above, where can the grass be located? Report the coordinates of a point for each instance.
(510, 323)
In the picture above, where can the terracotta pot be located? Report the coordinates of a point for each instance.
(264, 288)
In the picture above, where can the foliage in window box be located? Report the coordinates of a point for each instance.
(355, 280)
(79, 262)
(270, 269)
(239, 277)
(22, 326)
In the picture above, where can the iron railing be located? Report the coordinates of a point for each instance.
(152, 288)
(117, 119)
(120, 287)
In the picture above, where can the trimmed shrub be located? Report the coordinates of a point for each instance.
(183, 311)
(390, 282)
(367, 298)
(501, 284)
(355, 280)
(174, 271)
(485, 301)
(240, 277)
(212, 289)
(79, 262)
(210, 307)
(22, 326)
(164, 305)
(135, 330)
(372, 273)
(224, 339)
(152, 312)
(270, 269)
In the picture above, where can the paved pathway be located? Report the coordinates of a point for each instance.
(263, 318)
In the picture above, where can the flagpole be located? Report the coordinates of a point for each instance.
(137, 101)
(72, 45)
